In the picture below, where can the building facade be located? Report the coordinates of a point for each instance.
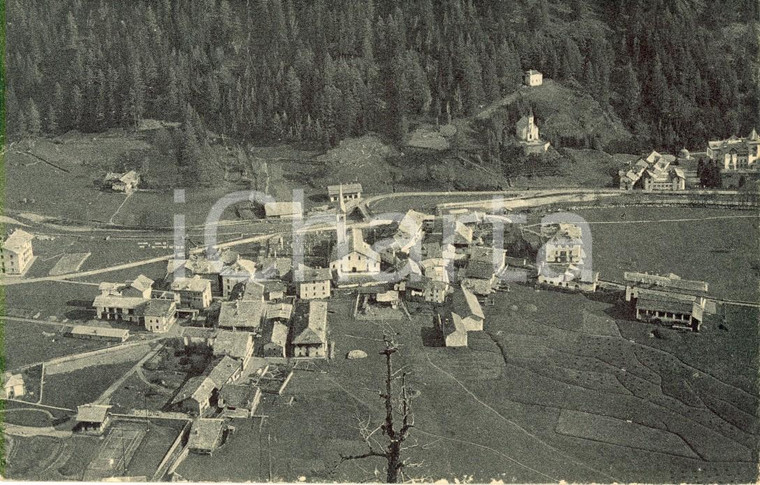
(16, 253)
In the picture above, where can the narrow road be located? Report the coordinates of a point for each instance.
(106, 396)
(16, 430)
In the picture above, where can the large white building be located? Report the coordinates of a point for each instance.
(352, 255)
(736, 153)
(16, 254)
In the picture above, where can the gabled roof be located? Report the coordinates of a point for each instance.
(479, 270)
(234, 344)
(354, 188)
(241, 314)
(205, 434)
(354, 243)
(669, 281)
(194, 284)
(118, 301)
(100, 331)
(198, 388)
(17, 240)
(315, 331)
(254, 291)
(280, 311)
(221, 371)
(453, 324)
(279, 334)
(243, 268)
(304, 274)
(142, 283)
(92, 413)
(465, 304)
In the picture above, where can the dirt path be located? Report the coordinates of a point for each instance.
(16, 430)
(106, 396)
(110, 221)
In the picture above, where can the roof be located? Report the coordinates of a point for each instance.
(195, 284)
(274, 267)
(465, 303)
(412, 222)
(234, 344)
(198, 388)
(254, 291)
(486, 254)
(425, 283)
(125, 177)
(453, 324)
(665, 304)
(92, 413)
(118, 301)
(241, 313)
(479, 269)
(347, 189)
(532, 71)
(669, 281)
(205, 434)
(142, 283)
(100, 331)
(221, 371)
(281, 311)
(310, 275)
(17, 240)
(238, 395)
(279, 334)
(315, 331)
(242, 268)
(198, 332)
(354, 243)
(160, 308)
(279, 209)
(478, 286)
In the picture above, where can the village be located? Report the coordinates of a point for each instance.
(224, 332)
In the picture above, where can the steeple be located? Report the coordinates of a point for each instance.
(340, 198)
(753, 135)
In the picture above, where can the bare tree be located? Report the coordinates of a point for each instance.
(396, 408)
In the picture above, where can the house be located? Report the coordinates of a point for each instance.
(199, 265)
(274, 290)
(224, 370)
(310, 330)
(192, 336)
(239, 400)
(241, 314)
(654, 172)
(482, 269)
(410, 231)
(528, 135)
(312, 283)
(92, 418)
(424, 289)
(193, 292)
(567, 276)
(461, 236)
(533, 78)
(735, 154)
(452, 330)
(272, 269)
(666, 299)
(122, 182)
(346, 191)
(240, 271)
(465, 305)
(117, 307)
(13, 386)
(252, 291)
(238, 345)
(195, 395)
(99, 333)
(354, 256)
(283, 210)
(16, 253)
(565, 244)
(279, 312)
(159, 315)
(206, 435)
(277, 344)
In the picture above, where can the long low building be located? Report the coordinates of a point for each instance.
(99, 333)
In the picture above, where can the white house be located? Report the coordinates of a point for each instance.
(533, 78)
(16, 254)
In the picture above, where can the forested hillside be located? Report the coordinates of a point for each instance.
(675, 71)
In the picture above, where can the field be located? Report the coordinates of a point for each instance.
(714, 245)
(27, 343)
(69, 263)
(44, 458)
(82, 386)
(559, 386)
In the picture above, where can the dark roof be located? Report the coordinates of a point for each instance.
(480, 270)
(159, 308)
(222, 370)
(664, 305)
(238, 395)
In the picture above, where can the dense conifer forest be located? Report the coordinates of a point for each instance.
(677, 72)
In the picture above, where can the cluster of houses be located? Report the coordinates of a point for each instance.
(735, 157)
